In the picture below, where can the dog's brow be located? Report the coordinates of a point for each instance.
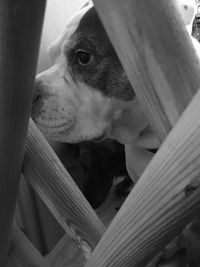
(88, 43)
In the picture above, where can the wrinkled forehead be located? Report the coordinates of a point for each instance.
(85, 23)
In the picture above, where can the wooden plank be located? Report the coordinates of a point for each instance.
(162, 84)
(51, 230)
(59, 192)
(39, 224)
(22, 252)
(29, 215)
(20, 28)
(164, 200)
(141, 45)
(141, 32)
(66, 253)
(17, 216)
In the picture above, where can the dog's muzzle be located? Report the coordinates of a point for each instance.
(45, 109)
(39, 92)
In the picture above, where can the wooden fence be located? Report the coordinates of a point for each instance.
(161, 64)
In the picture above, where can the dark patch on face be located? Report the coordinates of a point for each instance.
(105, 72)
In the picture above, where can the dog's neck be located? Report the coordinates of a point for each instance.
(132, 127)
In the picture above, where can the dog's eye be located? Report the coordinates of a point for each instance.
(83, 57)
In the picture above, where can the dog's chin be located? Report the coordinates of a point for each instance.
(74, 140)
(66, 136)
(99, 138)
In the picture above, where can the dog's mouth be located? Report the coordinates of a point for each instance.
(56, 125)
(56, 130)
(59, 130)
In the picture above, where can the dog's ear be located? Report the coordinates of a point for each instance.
(54, 49)
(87, 4)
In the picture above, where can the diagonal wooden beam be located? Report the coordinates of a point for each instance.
(20, 29)
(29, 215)
(164, 200)
(22, 252)
(66, 253)
(160, 61)
(158, 55)
(59, 192)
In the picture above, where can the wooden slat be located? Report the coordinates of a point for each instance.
(20, 28)
(160, 61)
(140, 31)
(51, 230)
(59, 192)
(29, 215)
(66, 253)
(164, 200)
(17, 216)
(22, 252)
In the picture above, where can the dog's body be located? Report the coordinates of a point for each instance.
(86, 95)
(93, 167)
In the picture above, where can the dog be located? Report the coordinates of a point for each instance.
(86, 95)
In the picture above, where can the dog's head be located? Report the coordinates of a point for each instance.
(86, 94)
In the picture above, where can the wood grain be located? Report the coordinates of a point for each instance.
(163, 68)
(157, 54)
(164, 200)
(59, 192)
(66, 253)
(29, 215)
(20, 29)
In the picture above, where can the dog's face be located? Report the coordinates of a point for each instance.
(86, 95)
